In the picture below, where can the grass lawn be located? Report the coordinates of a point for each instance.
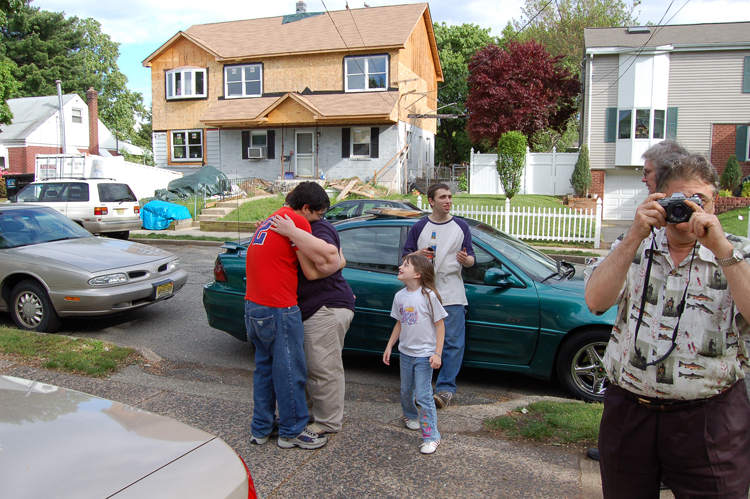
(554, 423)
(62, 353)
(731, 222)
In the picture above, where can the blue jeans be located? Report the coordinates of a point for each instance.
(280, 370)
(453, 348)
(416, 378)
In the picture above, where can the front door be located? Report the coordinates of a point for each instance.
(305, 163)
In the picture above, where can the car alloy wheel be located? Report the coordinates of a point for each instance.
(581, 365)
(32, 309)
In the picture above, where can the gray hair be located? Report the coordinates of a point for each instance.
(688, 167)
(665, 154)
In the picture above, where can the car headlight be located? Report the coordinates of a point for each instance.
(108, 279)
(174, 265)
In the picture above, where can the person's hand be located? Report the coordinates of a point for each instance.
(425, 252)
(258, 223)
(708, 230)
(649, 214)
(435, 361)
(387, 356)
(461, 256)
(283, 225)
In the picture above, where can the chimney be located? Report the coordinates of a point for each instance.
(91, 97)
(301, 7)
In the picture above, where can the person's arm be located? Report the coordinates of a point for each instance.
(392, 341)
(464, 258)
(605, 283)
(436, 360)
(324, 255)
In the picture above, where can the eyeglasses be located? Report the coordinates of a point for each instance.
(646, 173)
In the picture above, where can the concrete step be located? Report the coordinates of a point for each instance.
(218, 212)
(206, 218)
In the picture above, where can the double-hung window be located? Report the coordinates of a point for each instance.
(243, 81)
(187, 145)
(366, 73)
(186, 83)
(361, 142)
(76, 116)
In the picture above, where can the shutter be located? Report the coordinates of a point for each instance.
(611, 124)
(746, 77)
(672, 123)
(245, 143)
(345, 142)
(374, 142)
(740, 144)
(271, 144)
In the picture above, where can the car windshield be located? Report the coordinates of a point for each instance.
(36, 225)
(535, 263)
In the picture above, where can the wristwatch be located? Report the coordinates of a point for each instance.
(737, 257)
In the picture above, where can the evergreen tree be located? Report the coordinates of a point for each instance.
(732, 175)
(511, 160)
(581, 178)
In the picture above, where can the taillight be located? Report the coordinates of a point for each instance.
(100, 210)
(219, 274)
(137, 210)
(251, 494)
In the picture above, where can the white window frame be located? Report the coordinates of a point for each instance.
(363, 65)
(170, 80)
(634, 123)
(354, 131)
(254, 134)
(245, 72)
(76, 118)
(187, 145)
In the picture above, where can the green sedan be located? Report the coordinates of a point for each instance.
(526, 311)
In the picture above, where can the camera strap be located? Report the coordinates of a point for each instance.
(680, 306)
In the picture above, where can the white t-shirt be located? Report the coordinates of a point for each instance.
(418, 337)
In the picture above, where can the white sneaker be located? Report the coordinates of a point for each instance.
(411, 424)
(429, 447)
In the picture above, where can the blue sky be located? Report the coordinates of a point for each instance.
(142, 26)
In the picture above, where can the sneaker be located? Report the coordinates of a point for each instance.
(305, 440)
(261, 440)
(429, 447)
(443, 399)
(412, 424)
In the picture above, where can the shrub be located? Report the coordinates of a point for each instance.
(511, 159)
(581, 178)
(732, 175)
(746, 190)
(463, 182)
(725, 193)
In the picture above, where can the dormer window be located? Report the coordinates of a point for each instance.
(186, 83)
(243, 81)
(366, 73)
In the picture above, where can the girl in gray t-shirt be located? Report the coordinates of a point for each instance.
(420, 332)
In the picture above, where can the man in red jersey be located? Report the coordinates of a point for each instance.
(273, 321)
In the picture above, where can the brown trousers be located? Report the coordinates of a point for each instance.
(702, 451)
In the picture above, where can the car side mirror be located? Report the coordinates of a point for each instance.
(498, 277)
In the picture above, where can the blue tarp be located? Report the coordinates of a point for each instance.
(157, 215)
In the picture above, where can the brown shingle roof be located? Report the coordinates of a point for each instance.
(368, 28)
(327, 107)
(677, 35)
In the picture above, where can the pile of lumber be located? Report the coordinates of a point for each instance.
(352, 186)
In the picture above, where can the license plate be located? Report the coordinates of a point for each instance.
(120, 211)
(163, 290)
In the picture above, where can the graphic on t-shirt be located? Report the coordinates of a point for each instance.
(409, 314)
(260, 235)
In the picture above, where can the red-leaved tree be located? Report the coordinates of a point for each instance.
(519, 88)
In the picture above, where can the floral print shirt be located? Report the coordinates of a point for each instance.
(710, 351)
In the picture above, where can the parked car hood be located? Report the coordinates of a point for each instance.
(573, 284)
(95, 254)
(63, 443)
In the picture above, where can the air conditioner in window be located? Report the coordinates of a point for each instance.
(256, 152)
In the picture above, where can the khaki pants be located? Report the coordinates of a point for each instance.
(324, 340)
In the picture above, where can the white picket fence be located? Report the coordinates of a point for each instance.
(536, 224)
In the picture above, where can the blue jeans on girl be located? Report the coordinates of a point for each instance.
(416, 378)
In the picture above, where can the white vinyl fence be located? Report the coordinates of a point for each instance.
(536, 224)
(545, 173)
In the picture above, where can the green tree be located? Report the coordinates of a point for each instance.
(456, 45)
(8, 86)
(559, 25)
(511, 160)
(581, 178)
(732, 175)
(45, 46)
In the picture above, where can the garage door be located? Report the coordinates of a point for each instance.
(623, 192)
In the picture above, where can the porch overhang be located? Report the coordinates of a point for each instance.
(294, 109)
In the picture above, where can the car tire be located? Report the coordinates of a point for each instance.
(32, 309)
(120, 235)
(580, 365)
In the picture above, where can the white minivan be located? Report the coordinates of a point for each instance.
(101, 205)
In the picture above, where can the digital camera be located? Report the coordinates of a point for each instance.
(677, 210)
